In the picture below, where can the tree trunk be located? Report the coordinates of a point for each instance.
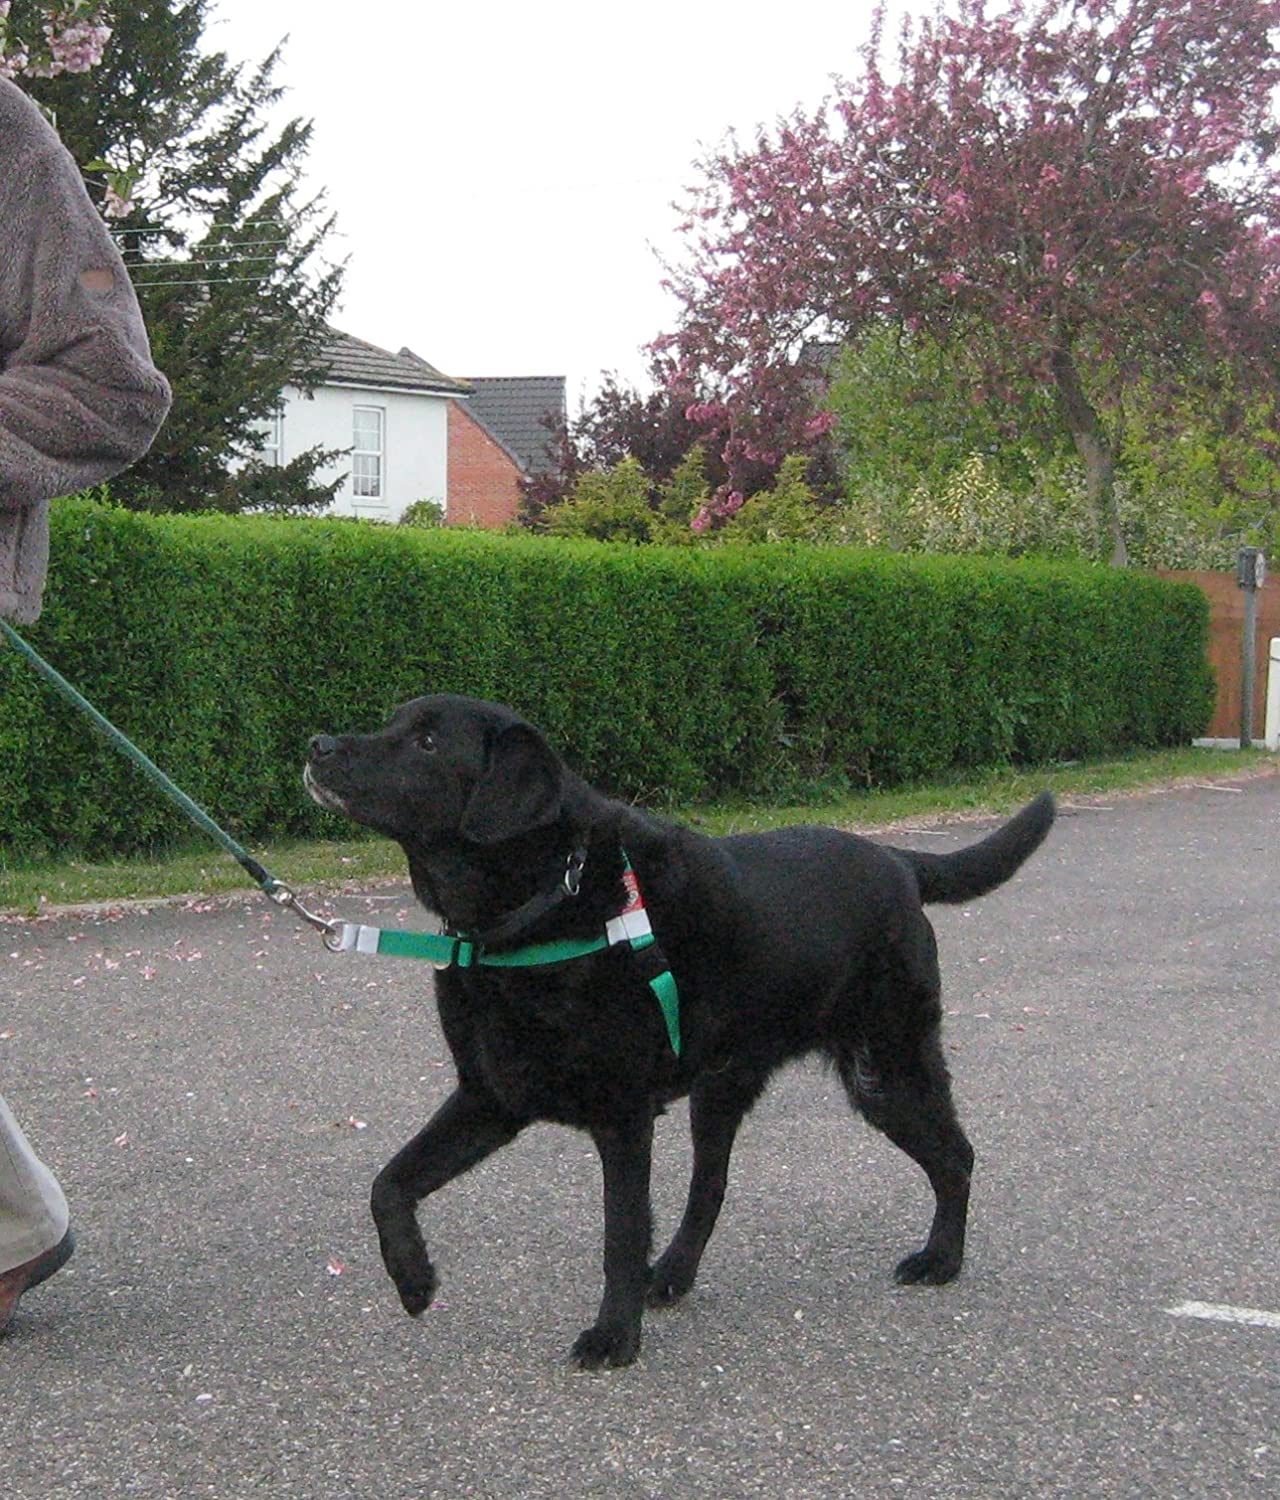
(1095, 453)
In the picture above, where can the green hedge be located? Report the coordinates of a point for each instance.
(220, 644)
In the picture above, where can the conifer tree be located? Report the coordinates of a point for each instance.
(225, 247)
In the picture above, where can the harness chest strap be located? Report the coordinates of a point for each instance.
(630, 926)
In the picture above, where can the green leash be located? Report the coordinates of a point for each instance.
(440, 951)
(144, 763)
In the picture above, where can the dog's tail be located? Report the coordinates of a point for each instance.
(972, 872)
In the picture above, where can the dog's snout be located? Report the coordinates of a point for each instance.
(322, 746)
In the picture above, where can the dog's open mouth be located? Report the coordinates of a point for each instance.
(322, 794)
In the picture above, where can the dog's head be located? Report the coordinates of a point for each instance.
(444, 769)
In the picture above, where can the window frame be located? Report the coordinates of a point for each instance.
(274, 440)
(376, 497)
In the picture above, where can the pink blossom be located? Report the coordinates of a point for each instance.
(114, 206)
(75, 35)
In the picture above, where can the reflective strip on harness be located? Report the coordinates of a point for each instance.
(351, 937)
(628, 927)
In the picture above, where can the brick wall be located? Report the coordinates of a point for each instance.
(483, 480)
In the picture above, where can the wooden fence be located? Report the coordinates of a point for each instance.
(1226, 621)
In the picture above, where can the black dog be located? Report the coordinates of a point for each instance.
(780, 944)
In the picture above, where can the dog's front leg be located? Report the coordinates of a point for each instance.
(625, 1156)
(463, 1131)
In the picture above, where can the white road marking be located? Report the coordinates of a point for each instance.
(1221, 1312)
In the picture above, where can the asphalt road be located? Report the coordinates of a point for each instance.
(217, 1092)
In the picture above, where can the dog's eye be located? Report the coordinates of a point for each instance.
(427, 743)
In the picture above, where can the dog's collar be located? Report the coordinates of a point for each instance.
(523, 917)
(455, 951)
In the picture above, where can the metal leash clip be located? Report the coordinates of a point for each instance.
(282, 895)
(573, 868)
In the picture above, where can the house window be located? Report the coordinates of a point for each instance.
(367, 452)
(273, 439)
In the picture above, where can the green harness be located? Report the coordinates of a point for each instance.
(446, 951)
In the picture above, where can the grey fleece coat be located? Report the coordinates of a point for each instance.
(79, 396)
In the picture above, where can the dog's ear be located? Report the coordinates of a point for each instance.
(522, 788)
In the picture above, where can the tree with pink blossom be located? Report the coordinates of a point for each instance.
(1079, 194)
(67, 36)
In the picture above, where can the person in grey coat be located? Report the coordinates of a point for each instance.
(79, 401)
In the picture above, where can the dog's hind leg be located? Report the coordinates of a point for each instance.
(626, 1151)
(909, 1098)
(716, 1108)
(463, 1131)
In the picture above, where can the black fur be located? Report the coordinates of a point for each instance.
(802, 940)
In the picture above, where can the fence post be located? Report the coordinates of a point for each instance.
(1251, 572)
(1272, 730)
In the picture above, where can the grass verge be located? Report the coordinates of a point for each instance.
(202, 869)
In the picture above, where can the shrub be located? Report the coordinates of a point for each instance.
(423, 513)
(612, 505)
(220, 644)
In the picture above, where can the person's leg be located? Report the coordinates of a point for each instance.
(35, 1240)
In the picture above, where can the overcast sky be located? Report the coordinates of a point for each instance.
(503, 174)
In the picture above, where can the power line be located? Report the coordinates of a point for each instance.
(244, 227)
(215, 262)
(220, 245)
(200, 281)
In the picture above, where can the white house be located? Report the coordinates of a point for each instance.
(390, 411)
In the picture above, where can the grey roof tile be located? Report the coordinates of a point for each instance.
(352, 361)
(513, 409)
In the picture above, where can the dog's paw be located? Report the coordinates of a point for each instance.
(932, 1266)
(612, 1347)
(416, 1284)
(669, 1280)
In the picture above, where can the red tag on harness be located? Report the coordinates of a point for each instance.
(635, 901)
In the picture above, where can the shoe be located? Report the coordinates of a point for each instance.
(31, 1273)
